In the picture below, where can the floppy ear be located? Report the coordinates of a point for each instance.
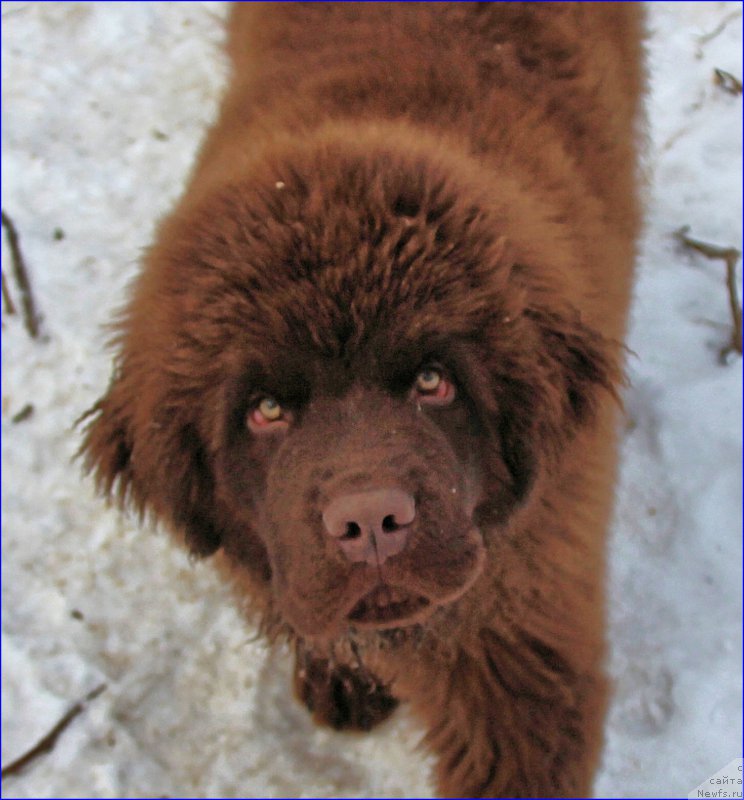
(582, 364)
(554, 390)
(143, 452)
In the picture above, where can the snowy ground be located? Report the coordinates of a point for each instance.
(103, 106)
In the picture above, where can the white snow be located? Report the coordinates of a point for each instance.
(194, 704)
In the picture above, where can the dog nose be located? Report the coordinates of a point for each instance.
(370, 526)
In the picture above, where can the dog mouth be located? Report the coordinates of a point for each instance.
(387, 606)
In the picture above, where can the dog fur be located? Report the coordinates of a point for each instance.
(389, 187)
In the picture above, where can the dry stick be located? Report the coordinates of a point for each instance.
(30, 317)
(731, 256)
(735, 306)
(12, 11)
(47, 743)
(8, 305)
(23, 414)
(707, 37)
(728, 82)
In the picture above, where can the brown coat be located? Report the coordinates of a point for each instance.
(395, 287)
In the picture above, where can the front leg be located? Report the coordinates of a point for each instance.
(513, 718)
(340, 696)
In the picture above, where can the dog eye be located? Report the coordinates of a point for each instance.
(428, 380)
(432, 386)
(269, 409)
(267, 415)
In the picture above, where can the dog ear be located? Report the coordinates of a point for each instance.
(582, 364)
(153, 460)
(550, 393)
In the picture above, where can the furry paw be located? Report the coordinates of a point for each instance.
(342, 697)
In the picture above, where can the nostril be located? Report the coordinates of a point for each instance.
(389, 524)
(353, 531)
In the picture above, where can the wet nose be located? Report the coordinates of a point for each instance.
(370, 526)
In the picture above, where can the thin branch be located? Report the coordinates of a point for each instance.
(23, 414)
(47, 743)
(30, 317)
(706, 37)
(727, 81)
(10, 12)
(731, 256)
(707, 249)
(8, 305)
(735, 306)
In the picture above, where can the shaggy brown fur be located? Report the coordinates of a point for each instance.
(398, 197)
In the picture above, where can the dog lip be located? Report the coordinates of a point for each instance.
(387, 606)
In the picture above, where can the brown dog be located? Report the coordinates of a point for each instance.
(372, 354)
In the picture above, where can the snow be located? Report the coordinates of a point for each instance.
(103, 107)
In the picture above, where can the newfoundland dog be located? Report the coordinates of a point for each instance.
(372, 361)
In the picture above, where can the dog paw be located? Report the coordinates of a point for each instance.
(342, 697)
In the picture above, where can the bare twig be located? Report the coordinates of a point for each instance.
(731, 256)
(727, 81)
(10, 12)
(735, 306)
(707, 249)
(23, 414)
(47, 743)
(30, 317)
(8, 305)
(707, 37)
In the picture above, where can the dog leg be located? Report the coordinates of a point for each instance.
(510, 722)
(340, 696)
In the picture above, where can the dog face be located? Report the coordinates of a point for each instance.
(336, 371)
(361, 480)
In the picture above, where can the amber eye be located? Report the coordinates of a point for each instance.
(432, 386)
(266, 415)
(270, 409)
(428, 380)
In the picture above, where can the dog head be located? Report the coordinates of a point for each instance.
(339, 369)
